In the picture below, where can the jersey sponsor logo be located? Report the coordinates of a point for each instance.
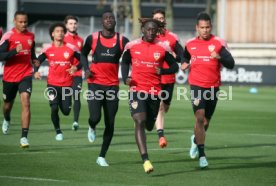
(66, 55)
(107, 54)
(137, 52)
(211, 48)
(30, 42)
(156, 55)
(134, 104)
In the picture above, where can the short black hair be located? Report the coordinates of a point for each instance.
(53, 27)
(203, 16)
(161, 26)
(158, 11)
(70, 17)
(20, 12)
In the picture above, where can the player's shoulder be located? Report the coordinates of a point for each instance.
(163, 45)
(220, 40)
(189, 41)
(172, 35)
(71, 46)
(133, 43)
(7, 35)
(46, 47)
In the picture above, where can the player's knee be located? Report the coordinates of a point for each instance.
(200, 119)
(66, 111)
(150, 125)
(140, 122)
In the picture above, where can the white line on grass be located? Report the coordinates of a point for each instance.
(266, 135)
(157, 149)
(31, 178)
(25, 153)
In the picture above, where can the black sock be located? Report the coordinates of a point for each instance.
(25, 132)
(194, 140)
(7, 117)
(145, 157)
(58, 131)
(200, 150)
(160, 133)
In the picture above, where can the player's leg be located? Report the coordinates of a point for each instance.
(77, 86)
(95, 102)
(25, 90)
(110, 108)
(166, 96)
(138, 112)
(65, 103)
(9, 94)
(211, 104)
(54, 96)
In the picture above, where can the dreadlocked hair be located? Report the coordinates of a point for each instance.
(161, 26)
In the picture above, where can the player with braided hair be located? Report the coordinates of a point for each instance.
(146, 56)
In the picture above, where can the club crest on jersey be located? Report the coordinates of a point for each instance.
(134, 104)
(66, 55)
(156, 55)
(79, 44)
(30, 42)
(211, 48)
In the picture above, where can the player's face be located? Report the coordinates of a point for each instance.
(21, 23)
(160, 17)
(149, 31)
(204, 29)
(108, 21)
(58, 34)
(72, 25)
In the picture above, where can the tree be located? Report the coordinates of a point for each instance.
(136, 14)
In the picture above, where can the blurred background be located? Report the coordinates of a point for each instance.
(249, 27)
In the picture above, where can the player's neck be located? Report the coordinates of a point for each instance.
(108, 33)
(58, 43)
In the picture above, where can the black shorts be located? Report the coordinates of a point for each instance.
(167, 93)
(204, 98)
(101, 92)
(141, 102)
(10, 88)
(77, 83)
(59, 95)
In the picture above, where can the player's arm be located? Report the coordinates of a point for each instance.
(125, 41)
(179, 51)
(171, 61)
(226, 59)
(126, 60)
(186, 60)
(41, 58)
(33, 56)
(87, 46)
(5, 54)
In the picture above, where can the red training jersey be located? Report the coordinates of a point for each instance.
(169, 39)
(18, 66)
(204, 70)
(145, 58)
(106, 53)
(77, 41)
(60, 59)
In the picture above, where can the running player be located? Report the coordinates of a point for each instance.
(168, 80)
(146, 57)
(72, 37)
(17, 48)
(60, 56)
(206, 54)
(107, 47)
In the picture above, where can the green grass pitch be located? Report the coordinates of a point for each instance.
(240, 146)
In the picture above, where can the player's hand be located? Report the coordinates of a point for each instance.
(185, 66)
(158, 70)
(19, 48)
(72, 70)
(128, 81)
(37, 75)
(88, 74)
(215, 55)
(36, 63)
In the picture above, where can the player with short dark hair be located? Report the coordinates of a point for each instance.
(168, 80)
(146, 57)
(107, 47)
(60, 56)
(72, 37)
(205, 55)
(17, 48)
